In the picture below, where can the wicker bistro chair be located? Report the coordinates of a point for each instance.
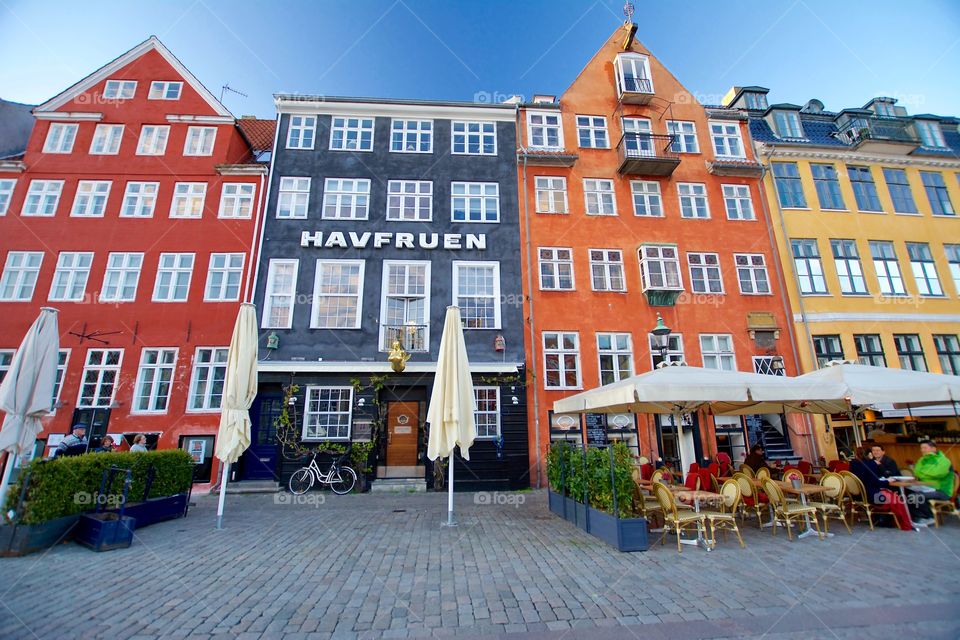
(673, 518)
(946, 507)
(856, 499)
(793, 474)
(746, 470)
(726, 517)
(661, 475)
(832, 504)
(787, 512)
(750, 497)
(762, 474)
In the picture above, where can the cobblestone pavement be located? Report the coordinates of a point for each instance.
(372, 566)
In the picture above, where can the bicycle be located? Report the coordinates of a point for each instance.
(340, 477)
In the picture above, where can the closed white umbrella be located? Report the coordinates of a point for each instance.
(452, 403)
(239, 390)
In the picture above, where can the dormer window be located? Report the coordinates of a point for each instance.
(787, 124)
(756, 101)
(884, 109)
(160, 90)
(120, 89)
(633, 73)
(930, 133)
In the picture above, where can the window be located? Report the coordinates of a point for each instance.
(561, 355)
(684, 136)
(236, 200)
(768, 365)
(20, 275)
(909, 351)
(293, 198)
(646, 198)
(224, 274)
(6, 360)
(281, 289)
(173, 277)
(544, 130)
(937, 193)
(606, 270)
(70, 279)
(206, 383)
(736, 199)
(475, 138)
(924, 270)
(716, 349)
(828, 186)
(405, 306)
(106, 139)
(556, 269)
(188, 198)
(869, 349)
(660, 267)
(864, 190)
(952, 251)
(410, 200)
(154, 380)
(153, 140)
(592, 132)
(637, 142)
(346, 198)
(948, 351)
(756, 101)
(91, 198)
(475, 202)
(930, 133)
(849, 270)
(160, 90)
(301, 132)
(726, 140)
(827, 349)
(60, 138)
(351, 134)
(887, 267)
(615, 355)
(599, 198)
(200, 141)
(551, 194)
(788, 124)
(328, 413)
(633, 73)
(6, 193)
(487, 415)
(62, 357)
(476, 290)
(411, 136)
(121, 277)
(752, 273)
(120, 89)
(693, 200)
(705, 273)
(806, 261)
(139, 200)
(787, 179)
(337, 292)
(42, 198)
(900, 191)
(100, 378)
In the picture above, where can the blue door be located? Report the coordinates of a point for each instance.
(259, 462)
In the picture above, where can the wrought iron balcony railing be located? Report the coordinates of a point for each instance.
(412, 337)
(647, 154)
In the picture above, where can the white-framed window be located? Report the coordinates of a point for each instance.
(188, 199)
(139, 200)
(544, 130)
(551, 194)
(101, 375)
(952, 252)
(200, 141)
(693, 200)
(405, 305)
(637, 140)
(91, 198)
(410, 200)
(411, 136)
(556, 268)
(592, 132)
(809, 269)
(20, 275)
(475, 201)
(294, 198)
(60, 138)
(281, 291)
(646, 198)
(615, 357)
(487, 415)
(633, 73)
(474, 138)
(705, 274)
(154, 380)
(846, 258)
(727, 142)
(164, 90)
(62, 358)
(660, 267)
(930, 133)
(716, 349)
(561, 360)
(599, 197)
(70, 278)
(787, 124)
(6, 361)
(174, 272)
(887, 266)
(351, 134)
(346, 199)
(121, 277)
(119, 89)
(684, 136)
(328, 413)
(737, 200)
(106, 140)
(301, 132)
(153, 140)
(42, 198)
(337, 294)
(752, 273)
(206, 382)
(236, 200)
(476, 290)
(606, 270)
(924, 269)
(6, 194)
(224, 273)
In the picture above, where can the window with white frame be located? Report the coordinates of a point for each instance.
(693, 200)
(606, 270)
(931, 135)
(119, 89)
(346, 198)
(887, 266)
(716, 349)
(752, 273)
(188, 199)
(91, 198)
(544, 130)
(337, 293)
(224, 273)
(101, 375)
(164, 90)
(551, 194)
(637, 140)
(328, 413)
(561, 356)
(281, 290)
(924, 269)
(20, 275)
(633, 73)
(756, 101)
(236, 200)
(139, 200)
(846, 258)
(200, 141)
(684, 136)
(787, 124)
(410, 200)
(806, 262)
(474, 138)
(174, 271)
(42, 198)
(739, 205)
(153, 140)
(6, 194)
(768, 365)
(405, 305)
(646, 198)
(599, 197)
(411, 136)
(70, 278)
(121, 277)
(487, 415)
(727, 142)
(592, 132)
(206, 382)
(60, 138)
(475, 202)
(301, 132)
(6, 360)
(556, 268)
(106, 140)
(62, 357)
(476, 290)
(660, 267)
(705, 273)
(615, 356)
(154, 380)
(293, 198)
(351, 134)
(952, 252)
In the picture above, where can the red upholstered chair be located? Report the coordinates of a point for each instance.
(726, 464)
(646, 470)
(693, 481)
(714, 468)
(694, 468)
(837, 466)
(705, 480)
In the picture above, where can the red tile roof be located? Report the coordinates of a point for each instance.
(258, 132)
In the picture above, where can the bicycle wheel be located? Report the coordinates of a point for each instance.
(342, 480)
(300, 481)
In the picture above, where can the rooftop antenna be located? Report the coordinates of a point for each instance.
(227, 87)
(629, 26)
(628, 10)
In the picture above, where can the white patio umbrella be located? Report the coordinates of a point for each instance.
(452, 403)
(239, 390)
(26, 394)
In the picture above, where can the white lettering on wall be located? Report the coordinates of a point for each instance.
(359, 242)
(477, 241)
(335, 239)
(404, 241)
(431, 243)
(451, 240)
(307, 239)
(400, 240)
(381, 239)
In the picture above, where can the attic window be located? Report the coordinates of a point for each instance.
(930, 134)
(788, 124)
(120, 89)
(756, 101)
(160, 90)
(884, 108)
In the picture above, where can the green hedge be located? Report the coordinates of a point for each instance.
(575, 473)
(66, 486)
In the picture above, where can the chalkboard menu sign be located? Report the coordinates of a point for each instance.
(596, 428)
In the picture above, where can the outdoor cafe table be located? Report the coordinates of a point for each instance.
(803, 491)
(902, 485)
(686, 495)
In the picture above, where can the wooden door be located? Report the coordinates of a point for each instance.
(403, 432)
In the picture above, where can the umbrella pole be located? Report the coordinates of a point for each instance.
(7, 472)
(223, 494)
(450, 522)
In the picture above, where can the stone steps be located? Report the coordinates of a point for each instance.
(398, 485)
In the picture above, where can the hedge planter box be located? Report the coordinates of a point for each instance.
(624, 534)
(105, 531)
(21, 539)
(156, 510)
(557, 503)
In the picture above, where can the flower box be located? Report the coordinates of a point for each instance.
(105, 531)
(21, 539)
(624, 534)
(154, 510)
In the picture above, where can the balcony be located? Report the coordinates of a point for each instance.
(880, 135)
(740, 168)
(635, 90)
(646, 154)
(412, 337)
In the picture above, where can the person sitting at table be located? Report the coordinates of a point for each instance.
(756, 460)
(878, 488)
(885, 465)
(935, 469)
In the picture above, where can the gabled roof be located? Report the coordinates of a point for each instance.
(259, 132)
(16, 123)
(150, 44)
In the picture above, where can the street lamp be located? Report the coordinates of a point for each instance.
(661, 338)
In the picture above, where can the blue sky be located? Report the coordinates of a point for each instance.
(840, 52)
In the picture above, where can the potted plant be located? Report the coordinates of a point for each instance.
(19, 537)
(105, 530)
